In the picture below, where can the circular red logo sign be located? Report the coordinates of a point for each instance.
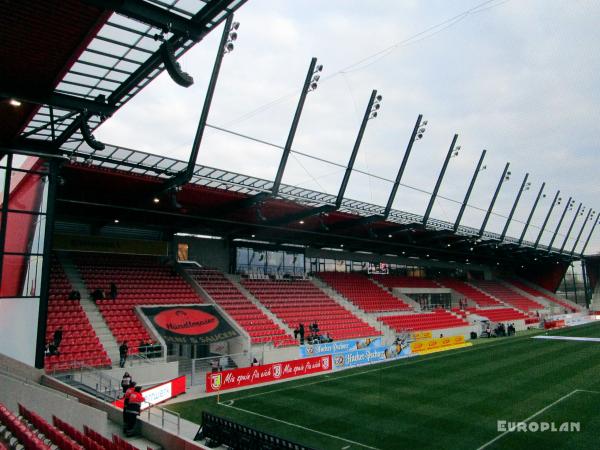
(186, 321)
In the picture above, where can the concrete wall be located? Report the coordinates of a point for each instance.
(207, 252)
(46, 402)
(18, 328)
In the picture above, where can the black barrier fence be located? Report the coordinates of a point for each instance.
(220, 431)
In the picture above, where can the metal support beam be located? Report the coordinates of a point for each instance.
(514, 207)
(361, 132)
(587, 241)
(489, 211)
(537, 241)
(468, 195)
(53, 169)
(150, 14)
(562, 247)
(537, 199)
(411, 141)
(587, 217)
(4, 216)
(292, 133)
(439, 181)
(559, 223)
(185, 176)
(64, 101)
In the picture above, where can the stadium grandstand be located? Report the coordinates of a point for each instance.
(198, 279)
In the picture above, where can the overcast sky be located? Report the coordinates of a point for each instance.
(519, 78)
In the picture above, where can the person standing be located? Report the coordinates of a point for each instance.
(123, 350)
(126, 382)
(301, 332)
(132, 411)
(113, 291)
(58, 335)
(126, 399)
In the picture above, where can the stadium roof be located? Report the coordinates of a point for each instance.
(73, 60)
(216, 202)
(62, 57)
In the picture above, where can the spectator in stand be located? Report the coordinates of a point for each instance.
(254, 362)
(214, 365)
(58, 335)
(113, 291)
(126, 382)
(301, 332)
(296, 332)
(123, 350)
(51, 349)
(314, 327)
(142, 348)
(98, 294)
(74, 295)
(133, 411)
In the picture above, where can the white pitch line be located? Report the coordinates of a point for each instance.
(564, 397)
(568, 338)
(298, 426)
(402, 363)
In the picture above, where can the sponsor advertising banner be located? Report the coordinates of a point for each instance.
(248, 376)
(419, 335)
(338, 347)
(160, 393)
(435, 344)
(370, 355)
(190, 324)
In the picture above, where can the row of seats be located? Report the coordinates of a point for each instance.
(80, 344)
(392, 281)
(436, 320)
(18, 432)
(300, 301)
(361, 291)
(508, 295)
(538, 293)
(258, 325)
(57, 437)
(140, 280)
(481, 299)
(498, 314)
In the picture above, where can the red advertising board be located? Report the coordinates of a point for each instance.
(248, 376)
(160, 393)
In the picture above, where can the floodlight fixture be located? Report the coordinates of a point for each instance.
(14, 102)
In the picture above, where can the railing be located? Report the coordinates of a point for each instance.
(104, 386)
(196, 369)
(156, 414)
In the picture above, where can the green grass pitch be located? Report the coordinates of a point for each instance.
(448, 400)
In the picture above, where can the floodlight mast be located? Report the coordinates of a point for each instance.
(587, 218)
(469, 190)
(185, 176)
(562, 247)
(514, 207)
(537, 199)
(503, 178)
(438, 183)
(587, 241)
(388, 206)
(554, 203)
(370, 113)
(308, 83)
(562, 217)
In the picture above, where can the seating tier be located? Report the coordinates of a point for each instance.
(300, 301)
(361, 291)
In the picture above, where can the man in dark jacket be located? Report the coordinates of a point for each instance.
(123, 349)
(58, 334)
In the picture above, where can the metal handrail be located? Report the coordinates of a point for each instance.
(163, 413)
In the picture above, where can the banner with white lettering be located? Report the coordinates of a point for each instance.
(248, 376)
(190, 324)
